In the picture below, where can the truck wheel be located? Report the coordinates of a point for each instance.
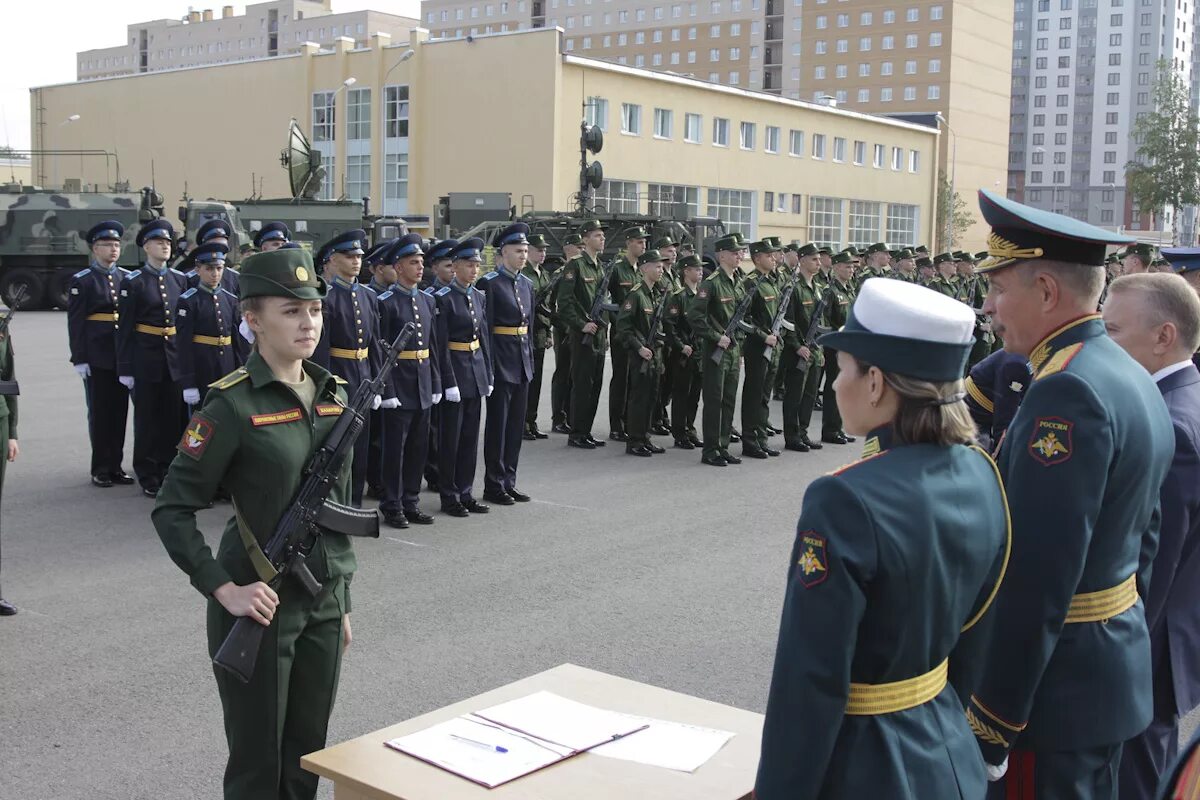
(32, 283)
(58, 292)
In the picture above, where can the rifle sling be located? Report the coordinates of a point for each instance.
(262, 565)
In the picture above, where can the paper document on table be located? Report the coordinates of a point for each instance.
(483, 753)
(557, 719)
(672, 745)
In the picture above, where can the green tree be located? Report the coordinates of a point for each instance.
(1165, 172)
(954, 215)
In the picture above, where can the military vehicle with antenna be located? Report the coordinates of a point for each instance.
(310, 220)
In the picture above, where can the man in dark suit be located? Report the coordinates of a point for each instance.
(1155, 317)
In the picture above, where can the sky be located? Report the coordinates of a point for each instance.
(73, 25)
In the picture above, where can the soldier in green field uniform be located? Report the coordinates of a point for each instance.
(760, 371)
(685, 353)
(8, 427)
(576, 291)
(1068, 667)
(625, 278)
(878, 263)
(946, 280)
(838, 297)
(972, 290)
(560, 383)
(632, 332)
(906, 267)
(541, 330)
(253, 436)
(802, 364)
(669, 283)
(710, 311)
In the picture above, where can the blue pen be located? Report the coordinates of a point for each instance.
(495, 747)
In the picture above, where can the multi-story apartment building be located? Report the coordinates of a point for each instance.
(1082, 73)
(266, 29)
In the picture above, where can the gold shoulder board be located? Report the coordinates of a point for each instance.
(232, 379)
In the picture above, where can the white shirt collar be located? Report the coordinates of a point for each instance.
(1170, 370)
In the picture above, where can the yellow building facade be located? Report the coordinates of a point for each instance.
(500, 113)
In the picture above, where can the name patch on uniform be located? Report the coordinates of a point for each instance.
(327, 409)
(196, 437)
(1050, 442)
(812, 566)
(726, 299)
(291, 415)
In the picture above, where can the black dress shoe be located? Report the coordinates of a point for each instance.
(103, 481)
(122, 478)
(773, 431)
(561, 427)
(735, 436)
(797, 445)
(499, 498)
(538, 434)
(833, 438)
(597, 442)
(848, 437)
(520, 497)
(811, 444)
(418, 517)
(475, 507)
(730, 458)
(695, 440)
(528, 436)
(395, 519)
(639, 450)
(455, 510)
(150, 490)
(753, 452)
(582, 444)
(818, 405)
(661, 430)
(655, 448)
(714, 461)
(619, 436)
(684, 444)
(7, 609)
(771, 451)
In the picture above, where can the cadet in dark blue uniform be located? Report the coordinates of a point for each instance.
(895, 557)
(440, 271)
(216, 231)
(510, 325)
(467, 377)
(146, 355)
(271, 236)
(383, 276)
(416, 386)
(1068, 668)
(92, 334)
(206, 323)
(995, 388)
(349, 346)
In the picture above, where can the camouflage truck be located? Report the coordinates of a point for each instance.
(41, 237)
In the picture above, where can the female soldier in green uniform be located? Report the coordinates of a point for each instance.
(256, 430)
(895, 556)
(8, 428)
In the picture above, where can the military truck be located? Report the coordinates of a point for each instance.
(41, 236)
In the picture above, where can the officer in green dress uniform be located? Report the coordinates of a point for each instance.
(540, 279)
(760, 370)
(632, 332)
(883, 578)
(560, 383)
(1068, 668)
(8, 427)
(709, 313)
(685, 353)
(588, 337)
(838, 297)
(802, 364)
(625, 278)
(253, 436)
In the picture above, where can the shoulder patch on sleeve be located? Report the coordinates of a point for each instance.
(188, 293)
(1050, 441)
(197, 436)
(628, 304)
(232, 379)
(812, 567)
(1059, 361)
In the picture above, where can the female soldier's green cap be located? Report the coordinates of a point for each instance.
(281, 273)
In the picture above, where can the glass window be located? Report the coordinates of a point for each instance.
(771, 140)
(358, 117)
(619, 197)
(746, 139)
(860, 152)
(897, 158)
(914, 160)
(864, 223)
(631, 118)
(902, 225)
(796, 143)
(825, 221)
(818, 145)
(735, 208)
(324, 116)
(328, 186)
(664, 120)
(691, 127)
(596, 112)
(877, 156)
(395, 176)
(720, 132)
(839, 149)
(663, 198)
(358, 176)
(395, 111)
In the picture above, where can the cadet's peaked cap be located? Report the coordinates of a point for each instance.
(765, 246)
(441, 249)
(651, 257)
(286, 272)
(904, 254)
(921, 250)
(878, 247)
(689, 262)
(1182, 259)
(212, 229)
(924, 261)
(806, 250)
(407, 245)
(109, 229)
(350, 241)
(825, 250)
(843, 257)
(155, 229)
(517, 233)
(270, 232)
(247, 248)
(908, 330)
(636, 232)
(592, 225)
(663, 241)
(537, 240)
(573, 239)
(210, 251)
(1020, 233)
(468, 250)
(1143, 251)
(374, 256)
(730, 243)
(941, 258)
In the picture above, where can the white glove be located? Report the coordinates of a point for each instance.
(376, 402)
(126, 381)
(489, 391)
(453, 395)
(191, 397)
(245, 331)
(437, 398)
(84, 370)
(996, 773)
(391, 402)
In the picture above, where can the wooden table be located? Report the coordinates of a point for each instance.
(364, 769)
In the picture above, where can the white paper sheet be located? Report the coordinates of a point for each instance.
(562, 721)
(671, 745)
